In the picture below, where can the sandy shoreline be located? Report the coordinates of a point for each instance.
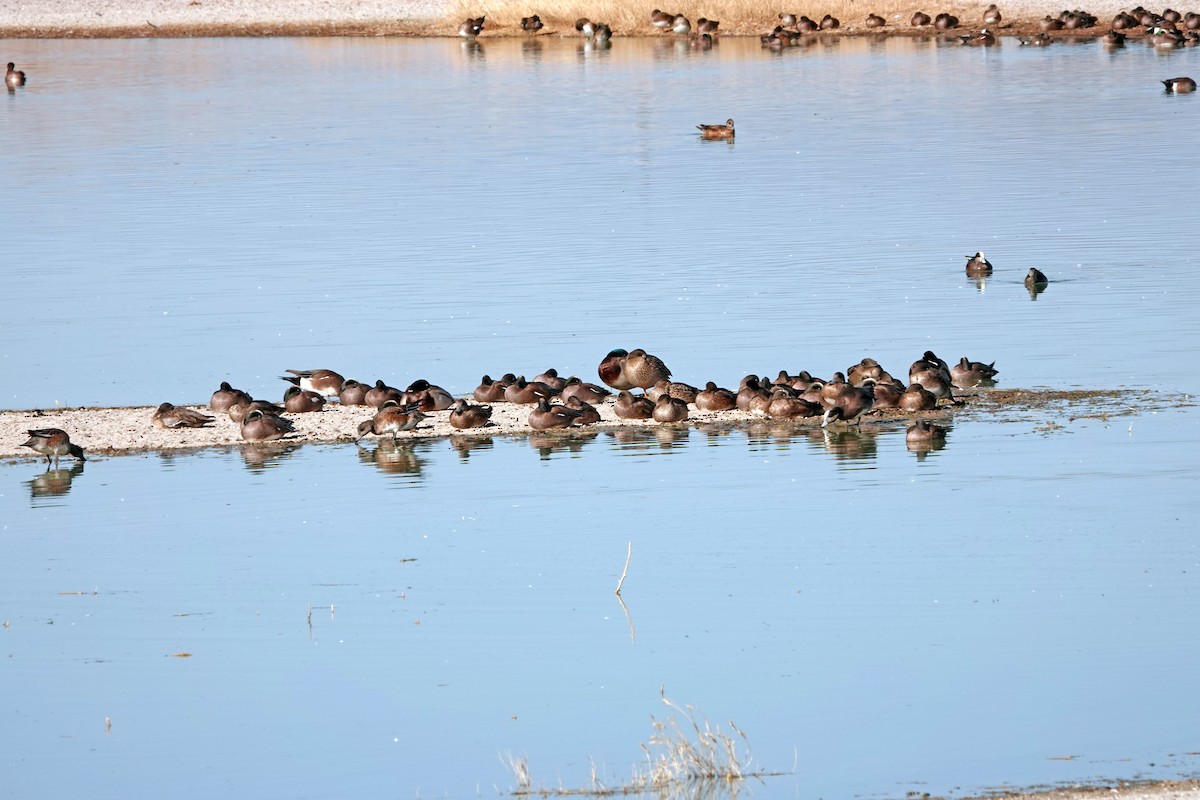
(1149, 790)
(223, 18)
(116, 431)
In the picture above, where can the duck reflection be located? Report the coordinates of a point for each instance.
(924, 437)
(396, 458)
(548, 443)
(465, 445)
(651, 438)
(53, 482)
(260, 456)
(473, 49)
(531, 51)
(850, 444)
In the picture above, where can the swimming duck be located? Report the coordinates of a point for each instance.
(12, 79)
(1035, 277)
(629, 407)
(1037, 40)
(353, 393)
(1113, 38)
(984, 38)
(875, 21)
(258, 426)
(662, 20)
(923, 433)
(978, 266)
(324, 382)
(643, 370)
(531, 24)
(391, 418)
(466, 415)
(302, 401)
(547, 417)
(168, 416)
(851, 403)
(717, 131)
(470, 28)
(489, 391)
(920, 19)
(991, 16)
(588, 415)
(588, 392)
(227, 396)
(966, 373)
(669, 409)
(380, 393)
(1180, 85)
(52, 442)
(714, 398)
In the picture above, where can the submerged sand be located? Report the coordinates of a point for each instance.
(125, 430)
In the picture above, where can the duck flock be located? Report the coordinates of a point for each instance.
(1167, 30)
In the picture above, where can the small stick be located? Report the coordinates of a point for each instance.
(624, 572)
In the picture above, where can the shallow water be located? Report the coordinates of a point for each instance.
(391, 621)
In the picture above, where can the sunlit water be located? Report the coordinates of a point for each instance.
(390, 622)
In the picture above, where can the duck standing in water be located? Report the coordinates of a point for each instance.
(13, 77)
(53, 442)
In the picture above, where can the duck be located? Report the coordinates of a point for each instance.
(875, 21)
(168, 416)
(227, 396)
(324, 382)
(353, 393)
(788, 20)
(669, 409)
(1114, 38)
(991, 15)
(916, 398)
(643, 370)
(717, 131)
(612, 370)
(12, 79)
(551, 378)
(851, 403)
(708, 26)
(978, 266)
(1037, 40)
(1049, 24)
(1181, 85)
(52, 442)
(471, 28)
(237, 412)
(629, 407)
(866, 368)
(525, 392)
(680, 391)
(546, 417)
(302, 401)
(750, 391)
(588, 392)
(662, 20)
(920, 19)
(588, 415)
(531, 24)
(830, 22)
(887, 395)
(1036, 278)
(380, 393)
(966, 374)
(391, 418)
(680, 25)
(467, 415)
(714, 398)
(806, 25)
(259, 426)
(984, 38)
(783, 405)
(585, 26)
(489, 391)
(603, 33)
(945, 22)
(429, 396)
(924, 433)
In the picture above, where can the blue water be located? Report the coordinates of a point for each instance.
(1015, 607)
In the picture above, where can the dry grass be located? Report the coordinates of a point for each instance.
(695, 757)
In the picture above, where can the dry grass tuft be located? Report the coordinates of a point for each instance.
(696, 756)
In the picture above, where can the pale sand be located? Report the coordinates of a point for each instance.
(1151, 790)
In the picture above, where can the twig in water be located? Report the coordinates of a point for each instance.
(624, 572)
